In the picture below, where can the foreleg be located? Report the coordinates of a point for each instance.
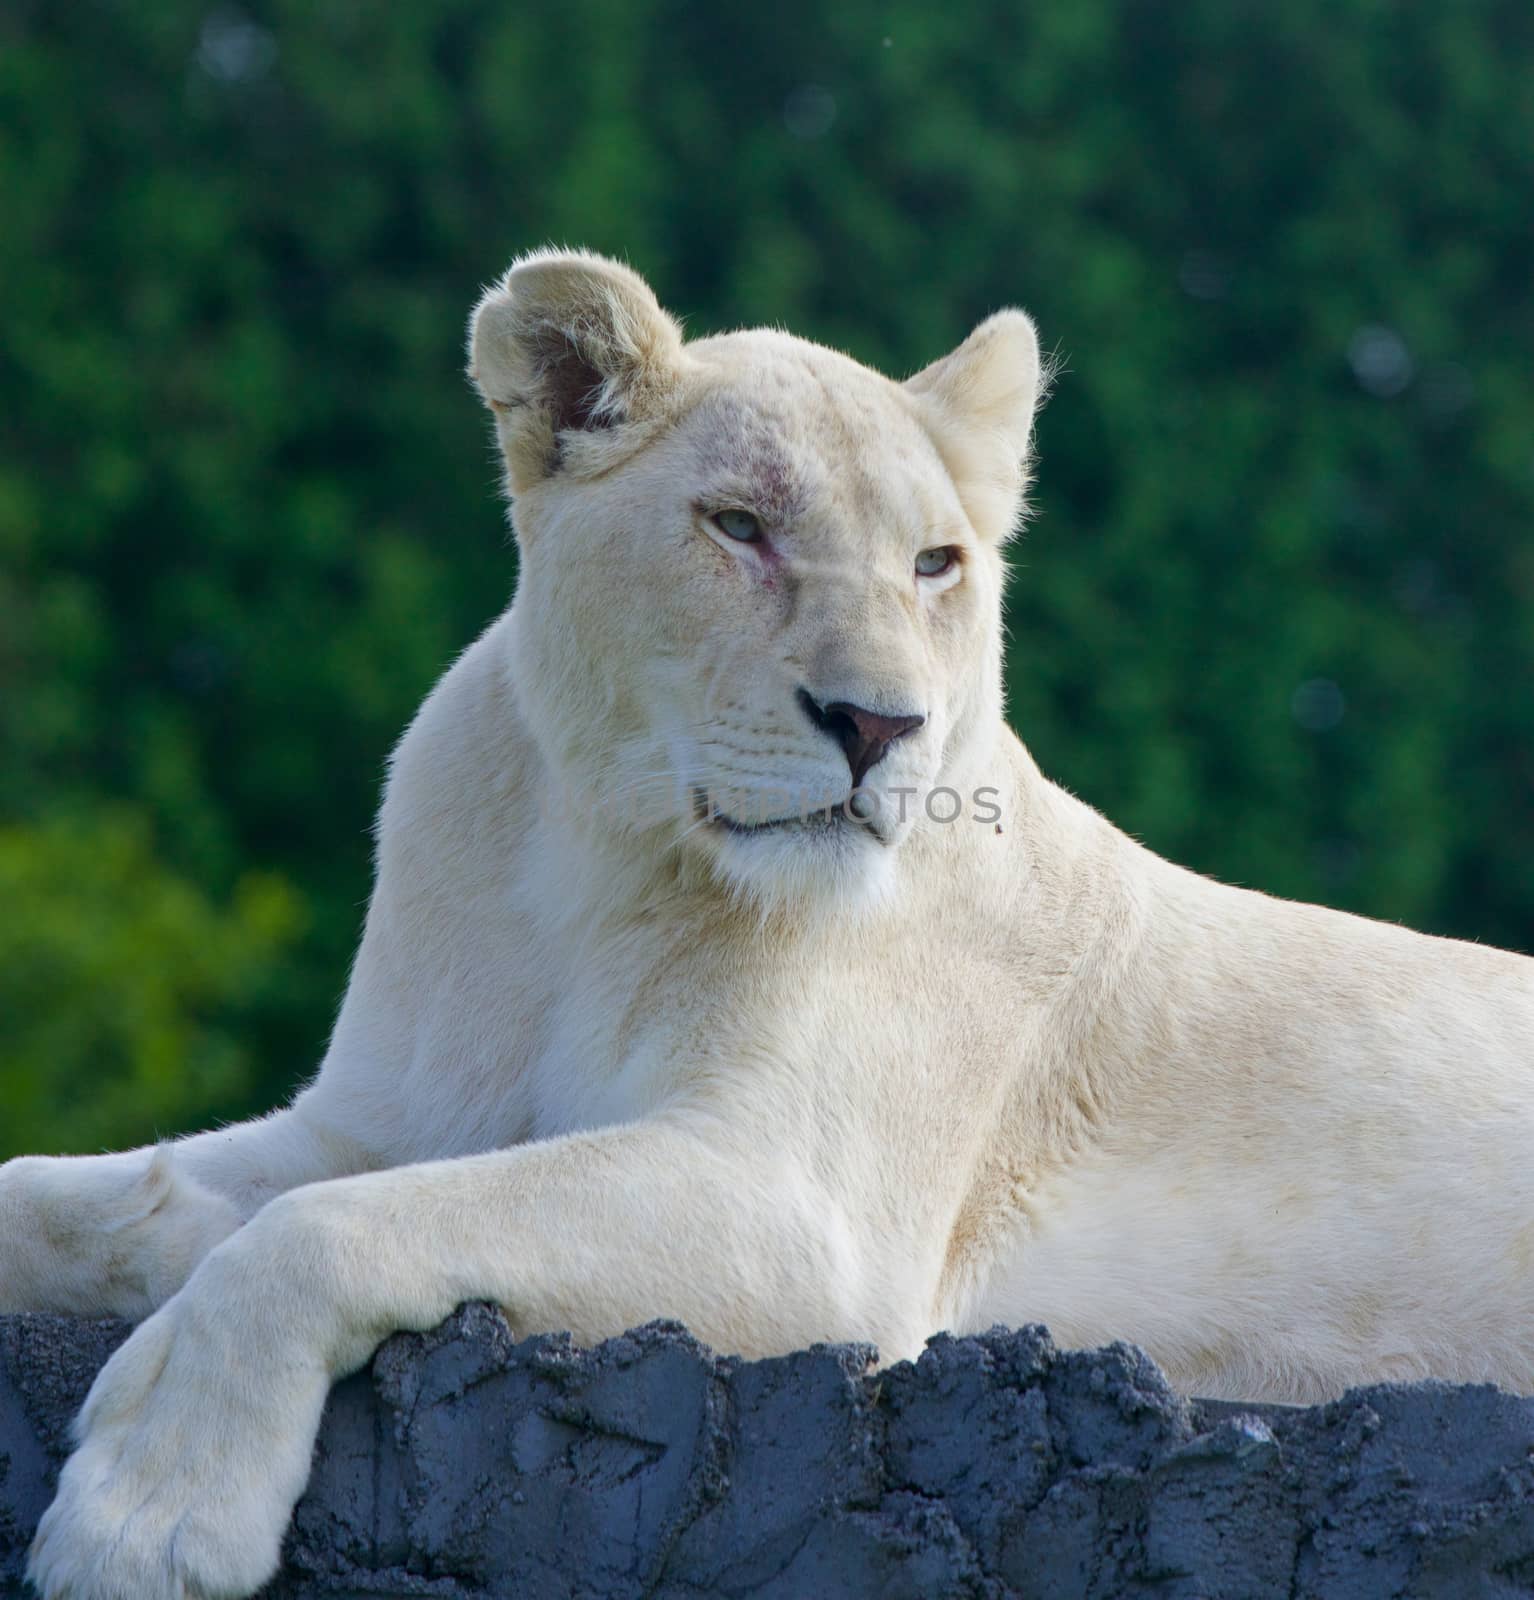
(593, 1233)
(117, 1235)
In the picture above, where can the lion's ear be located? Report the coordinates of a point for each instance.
(979, 402)
(569, 343)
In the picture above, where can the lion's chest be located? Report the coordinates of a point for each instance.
(626, 1029)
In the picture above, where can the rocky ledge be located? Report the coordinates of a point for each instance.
(464, 1463)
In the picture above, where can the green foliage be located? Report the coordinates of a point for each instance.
(1275, 615)
(125, 991)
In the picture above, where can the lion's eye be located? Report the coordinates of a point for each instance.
(739, 525)
(935, 562)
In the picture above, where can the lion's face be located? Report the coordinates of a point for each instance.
(759, 610)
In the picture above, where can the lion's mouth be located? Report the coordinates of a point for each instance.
(827, 820)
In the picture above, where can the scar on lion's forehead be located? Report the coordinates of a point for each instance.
(745, 453)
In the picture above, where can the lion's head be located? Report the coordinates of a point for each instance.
(759, 610)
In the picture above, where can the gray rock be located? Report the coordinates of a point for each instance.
(466, 1463)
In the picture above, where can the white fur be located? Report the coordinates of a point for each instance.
(603, 1061)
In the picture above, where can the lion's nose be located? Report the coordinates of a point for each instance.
(863, 735)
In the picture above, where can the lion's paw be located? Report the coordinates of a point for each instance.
(183, 1480)
(111, 1535)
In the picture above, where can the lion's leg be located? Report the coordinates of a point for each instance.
(592, 1232)
(117, 1235)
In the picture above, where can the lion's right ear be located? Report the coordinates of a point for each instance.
(979, 402)
(567, 344)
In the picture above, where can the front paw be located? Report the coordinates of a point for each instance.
(194, 1445)
(103, 1236)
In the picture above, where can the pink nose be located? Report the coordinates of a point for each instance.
(863, 735)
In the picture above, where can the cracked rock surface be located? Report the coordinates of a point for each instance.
(464, 1463)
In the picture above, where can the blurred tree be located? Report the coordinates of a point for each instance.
(126, 993)
(1274, 616)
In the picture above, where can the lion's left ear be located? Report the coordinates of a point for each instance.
(568, 349)
(978, 403)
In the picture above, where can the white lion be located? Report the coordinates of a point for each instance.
(730, 960)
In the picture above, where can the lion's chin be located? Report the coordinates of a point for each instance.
(799, 866)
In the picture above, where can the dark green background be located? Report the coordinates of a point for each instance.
(1274, 617)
